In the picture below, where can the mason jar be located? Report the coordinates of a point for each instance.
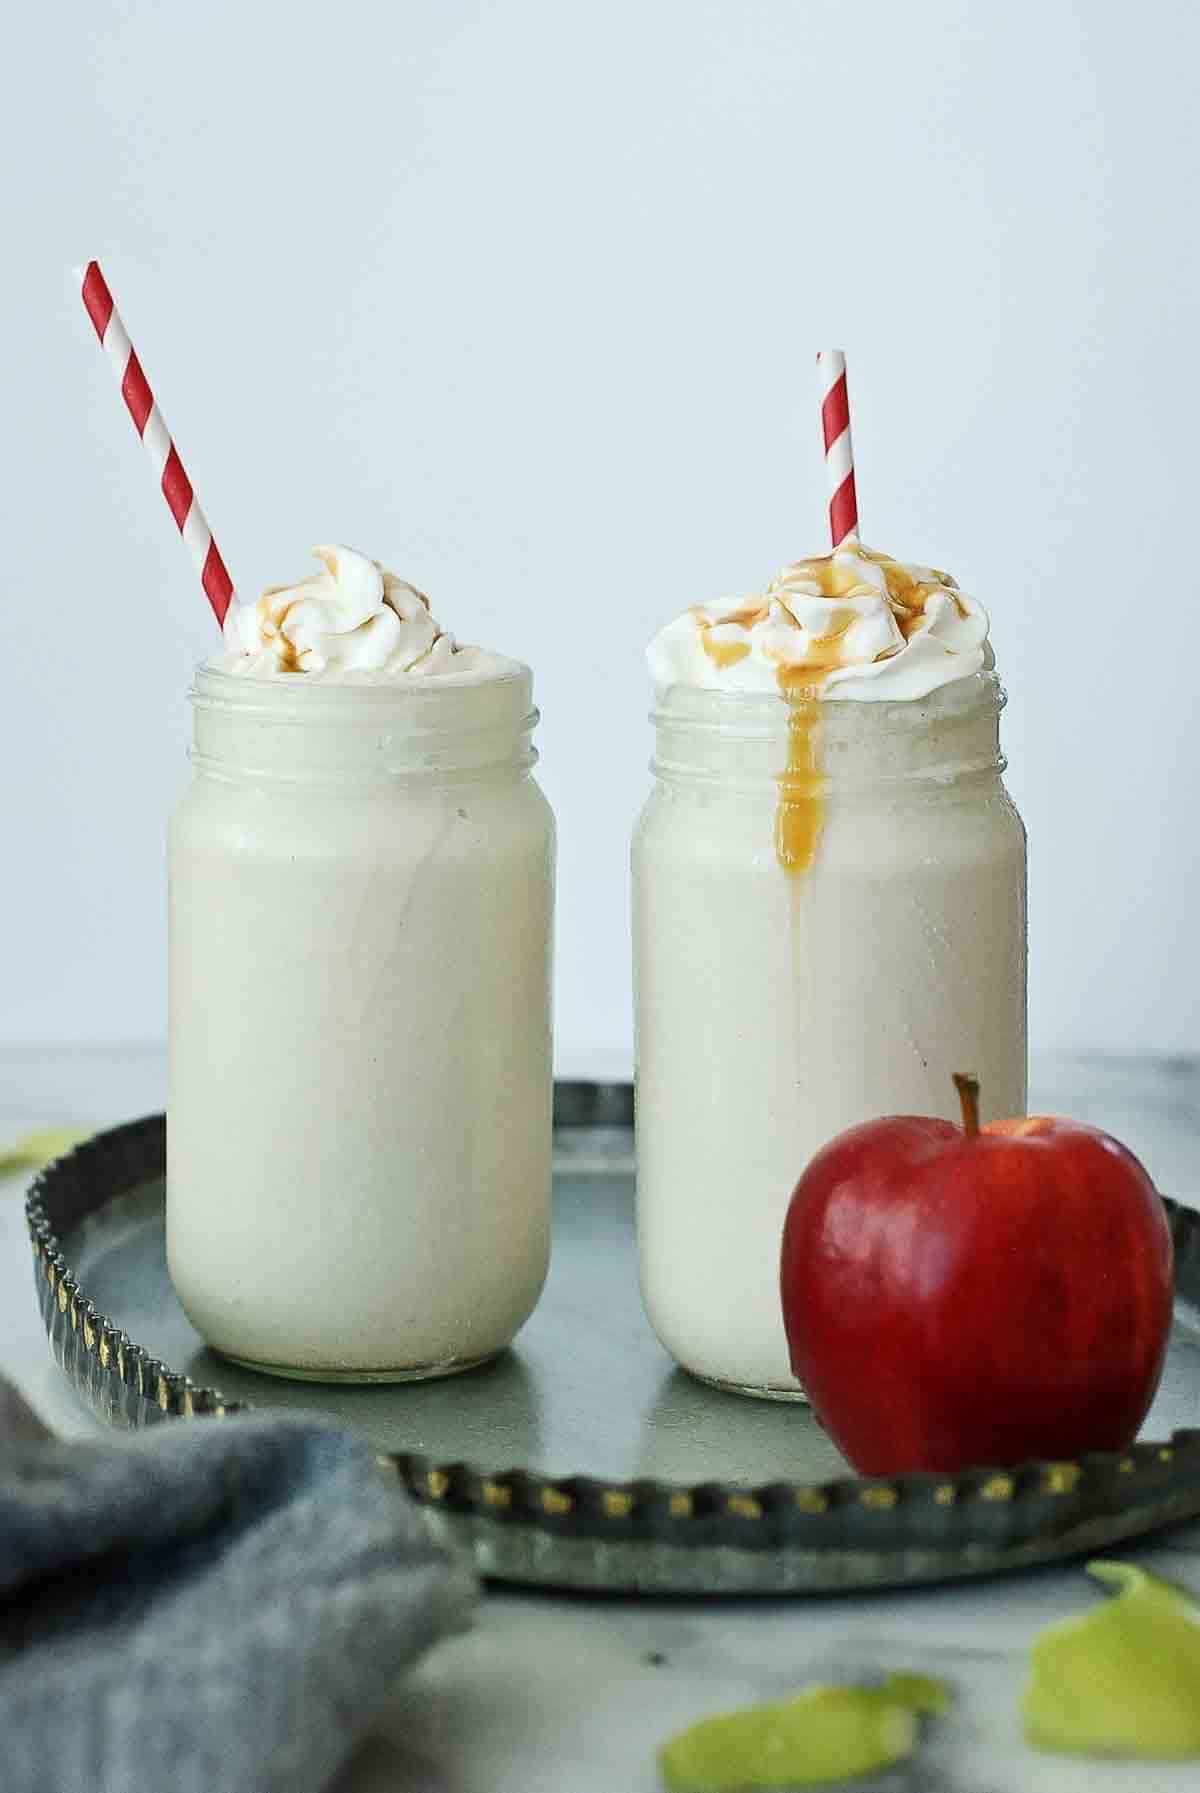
(359, 1127)
(828, 922)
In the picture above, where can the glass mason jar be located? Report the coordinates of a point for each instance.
(359, 1128)
(828, 921)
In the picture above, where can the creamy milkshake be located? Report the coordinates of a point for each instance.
(361, 883)
(829, 918)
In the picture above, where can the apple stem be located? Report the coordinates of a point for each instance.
(968, 1095)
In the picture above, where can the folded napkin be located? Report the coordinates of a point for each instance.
(210, 1607)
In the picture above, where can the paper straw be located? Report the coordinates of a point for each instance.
(148, 422)
(839, 455)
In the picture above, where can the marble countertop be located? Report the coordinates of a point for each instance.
(570, 1694)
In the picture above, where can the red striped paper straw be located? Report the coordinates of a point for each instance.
(156, 439)
(839, 454)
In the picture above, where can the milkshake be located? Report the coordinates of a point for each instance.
(829, 918)
(361, 884)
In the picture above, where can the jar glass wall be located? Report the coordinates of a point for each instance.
(778, 1003)
(359, 1128)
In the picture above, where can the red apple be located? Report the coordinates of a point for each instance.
(977, 1296)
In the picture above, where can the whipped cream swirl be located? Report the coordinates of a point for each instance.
(352, 619)
(852, 624)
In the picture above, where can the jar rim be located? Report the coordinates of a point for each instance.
(246, 689)
(276, 729)
(758, 714)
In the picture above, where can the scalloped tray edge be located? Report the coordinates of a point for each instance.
(646, 1535)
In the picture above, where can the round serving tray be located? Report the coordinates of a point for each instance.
(582, 1458)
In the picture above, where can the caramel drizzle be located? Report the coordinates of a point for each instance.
(270, 628)
(800, 812)
(289, 658)
(907, 597)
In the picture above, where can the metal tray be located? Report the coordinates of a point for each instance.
(582, 1458)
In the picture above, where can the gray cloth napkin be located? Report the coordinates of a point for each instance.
(214, 1607)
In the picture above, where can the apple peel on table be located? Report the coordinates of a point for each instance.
(822, 1734)
(1124, 1680)
(960, 1297)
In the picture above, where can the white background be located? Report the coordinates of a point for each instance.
(523, 299)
